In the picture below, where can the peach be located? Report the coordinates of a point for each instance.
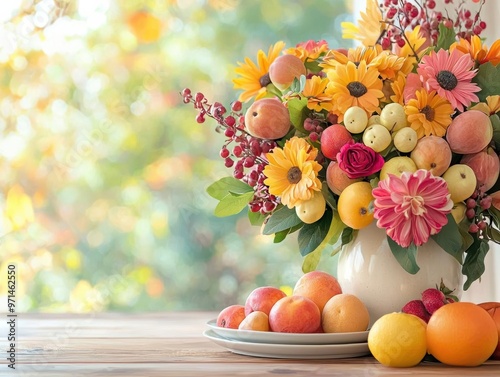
(337, 179)
(295, 314)
(284, 69)
(470, 132)
(344, 313)
(333, 138)
(432, 153)
(262, 299)
(486, 166)
(267, 118)
(231, 316)
(317, 286)
(256, 321)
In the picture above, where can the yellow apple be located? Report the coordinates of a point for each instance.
(355, 119)
(312, 210)
(458, 211)
(393, 117)
(461, 182)
(374, 119)
(405, 139)
(397, 165)
(377, 137)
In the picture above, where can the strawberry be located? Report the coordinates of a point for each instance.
(417, 308)
(433, 299)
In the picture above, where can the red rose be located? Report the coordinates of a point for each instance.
(359, 161)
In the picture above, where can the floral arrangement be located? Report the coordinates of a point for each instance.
(403, 131)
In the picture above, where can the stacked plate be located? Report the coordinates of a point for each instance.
(289, 346)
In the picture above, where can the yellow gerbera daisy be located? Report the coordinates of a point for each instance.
(352, 85)
(429, 113)
(478, 51)
(255, 77)
(314, 90)
(292, 172)
(333, 58)
(492, 105)
(417, 42)
(369, 26)
(308, 51)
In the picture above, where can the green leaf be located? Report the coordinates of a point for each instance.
(311, 260)
(227, 185)
(298, 112)
(495, 216)
(406, 256)
(347, 235)
(282, 219)
(446, 37)
(495, 121)
(473, 266)
(256, 218)
(467, 239)
(450, 239)
(488, 79)
(232, 204)
(280, 236)
(312, 235)
(494, 234)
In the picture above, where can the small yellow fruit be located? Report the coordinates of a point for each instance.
(377, 137)
(398, 340)
(397, 165)
(374, 119)
(393, 117)
(311, 210)
(344, 312)
(355, 119)
(405, 139)
(458, 212)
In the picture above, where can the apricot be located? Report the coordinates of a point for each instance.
(256, 321)
(344, 313)
(295, 314)
(470, 132)
(337, 179)
(284, 69)
(262, 299)
(231, 316)
(333, 138)
(486, 166)
(317, 286)
(432, 153)
(267, 118)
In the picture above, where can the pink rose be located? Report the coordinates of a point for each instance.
(358, 160)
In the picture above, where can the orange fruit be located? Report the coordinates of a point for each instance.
(344, 313)
(355, 205)
(461, 334)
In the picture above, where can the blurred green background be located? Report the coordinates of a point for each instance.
(103, 169)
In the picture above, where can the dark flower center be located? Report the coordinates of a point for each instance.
(294, 175)
(429, 113)
(447, 80)
(264, 80)
(356, 89)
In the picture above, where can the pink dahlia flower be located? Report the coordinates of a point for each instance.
(450, 74)
(412, 207)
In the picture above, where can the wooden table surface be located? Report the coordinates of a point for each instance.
(168, 344)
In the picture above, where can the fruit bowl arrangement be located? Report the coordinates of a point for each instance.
(403, 131)
(317, 320)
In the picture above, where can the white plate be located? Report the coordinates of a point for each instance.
(290, 351)
(287, 338)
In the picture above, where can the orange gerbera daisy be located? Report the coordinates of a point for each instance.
(314, 90)
(254, 78)
(333, 58)
(478, 51)
(429, 113)
(352, 85)
(417, 42)
(310, 50)
(292, 172)
(398, 86)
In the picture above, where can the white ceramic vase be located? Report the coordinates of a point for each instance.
(368, 269)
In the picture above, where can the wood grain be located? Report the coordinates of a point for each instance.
(169, 344)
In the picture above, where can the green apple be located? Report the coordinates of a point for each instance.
(355, 119)
(396, 166)
(393, 117)
(312, 210)
(405, 139)
(377, 137)
(461, 182)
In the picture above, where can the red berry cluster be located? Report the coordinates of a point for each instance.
(477, 204)
(403, 14)
(247, 156)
